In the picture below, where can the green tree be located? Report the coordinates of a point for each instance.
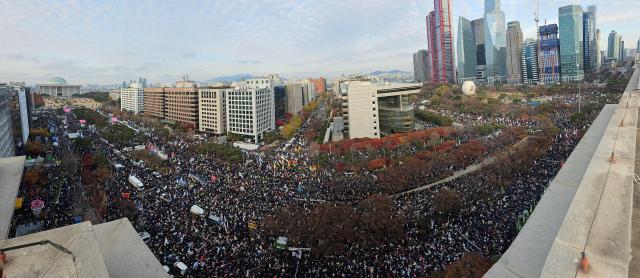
(233, 137)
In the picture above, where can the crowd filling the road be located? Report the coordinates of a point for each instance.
(230, 238)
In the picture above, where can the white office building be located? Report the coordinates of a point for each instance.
(250, 109)
(58, 87)
(211, 105)
(132, 98)
(259, 83)
(370, 108)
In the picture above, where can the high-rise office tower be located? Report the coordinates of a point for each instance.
(433, 49)
(495, 41)
(444, 66)
(6, 131)
(589, 34)
(613, 49)
(466, 50)
(530, 62)
(571, 43)
(591, 39)
(621, 54)
(421, 66)
(549, 54)
(477, 26)
(514, 52)
(598, 56)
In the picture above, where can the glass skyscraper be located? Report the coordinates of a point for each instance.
(495, 41)
(613, 49)
(571, 43)
(477, 26)
(530, 62)
(549, 54)
(466, 50)
(589, 36)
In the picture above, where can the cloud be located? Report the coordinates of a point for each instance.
(188, 55)
(253, 62)
(110, 41)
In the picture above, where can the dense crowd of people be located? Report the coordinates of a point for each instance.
(227, 239)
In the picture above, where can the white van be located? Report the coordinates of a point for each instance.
(182, 267)
(144, 236)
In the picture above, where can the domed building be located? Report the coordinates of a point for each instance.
(58, 87)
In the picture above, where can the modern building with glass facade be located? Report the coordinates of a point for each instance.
(495, 39)
(613, 49)
(590, 45)
(549, 55)
(395, 112)
(598, 52)
(6, 131)
(280, 100)
(466, 50)
(433, 48)
(530, 62)
(477, 26)
(571, 43)
(514, 52)
(421, 66)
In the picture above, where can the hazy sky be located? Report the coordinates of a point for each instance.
(107, 42)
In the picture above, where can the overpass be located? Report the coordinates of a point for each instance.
(587, 207)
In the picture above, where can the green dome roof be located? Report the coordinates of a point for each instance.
(57, 80)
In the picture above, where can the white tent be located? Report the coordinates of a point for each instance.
(195, 209)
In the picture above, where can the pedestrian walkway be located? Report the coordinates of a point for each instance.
(463, 172)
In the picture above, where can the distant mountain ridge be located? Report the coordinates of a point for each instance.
(232, 78)
(380, 72)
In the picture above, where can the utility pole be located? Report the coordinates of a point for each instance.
(579, 98)
(299, 256)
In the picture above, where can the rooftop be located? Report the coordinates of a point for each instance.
(10, 177)
(587, 207)
(57, 81)
(111, 249)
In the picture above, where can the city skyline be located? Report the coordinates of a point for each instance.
(115, 41)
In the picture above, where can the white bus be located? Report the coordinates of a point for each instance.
(136, 182)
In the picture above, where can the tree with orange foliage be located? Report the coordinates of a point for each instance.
(33, 148)
(446, 201)
(377, 217)
(469, 266)
(393, 179)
